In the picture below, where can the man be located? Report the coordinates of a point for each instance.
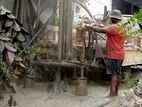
(114, 49)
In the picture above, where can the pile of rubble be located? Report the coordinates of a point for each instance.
(126, 98)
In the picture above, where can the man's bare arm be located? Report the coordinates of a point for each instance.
(96, 29)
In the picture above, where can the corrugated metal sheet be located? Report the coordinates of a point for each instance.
(33, 14)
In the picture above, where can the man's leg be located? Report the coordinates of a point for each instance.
(113, 85)
(118, 83)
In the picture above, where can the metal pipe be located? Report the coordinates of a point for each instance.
(62, 63)
(69, 30)
(60, 35)
(92, 17)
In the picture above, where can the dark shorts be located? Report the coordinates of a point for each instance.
(113, 66)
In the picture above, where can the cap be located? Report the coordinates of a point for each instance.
(116, 14)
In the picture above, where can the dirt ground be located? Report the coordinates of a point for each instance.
(39, 97)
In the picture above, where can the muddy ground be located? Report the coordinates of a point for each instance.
(39, 97)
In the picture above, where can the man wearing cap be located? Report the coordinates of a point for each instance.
(114, 49)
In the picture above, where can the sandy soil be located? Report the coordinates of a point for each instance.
(39, 97)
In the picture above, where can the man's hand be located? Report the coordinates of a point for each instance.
(88, 26)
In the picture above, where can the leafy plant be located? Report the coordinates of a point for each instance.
(12, 35)
(136, 19)
(129, 81)
(30, 56)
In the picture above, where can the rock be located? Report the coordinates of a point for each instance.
(126, 98)
(129, 99)
(138, 90)
(140, 82)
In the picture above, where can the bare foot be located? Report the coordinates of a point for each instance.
(111, 96)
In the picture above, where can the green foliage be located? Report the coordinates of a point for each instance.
(129, 81)
(34, 52)
(132, 22)
(28, 56)
(138, 16)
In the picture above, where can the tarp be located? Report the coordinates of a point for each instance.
(33, 14)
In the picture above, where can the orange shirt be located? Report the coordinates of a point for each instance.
(115, 41)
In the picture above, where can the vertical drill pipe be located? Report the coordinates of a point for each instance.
(60, 40)
(82, 71)
(65, 11)
(69, 30)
